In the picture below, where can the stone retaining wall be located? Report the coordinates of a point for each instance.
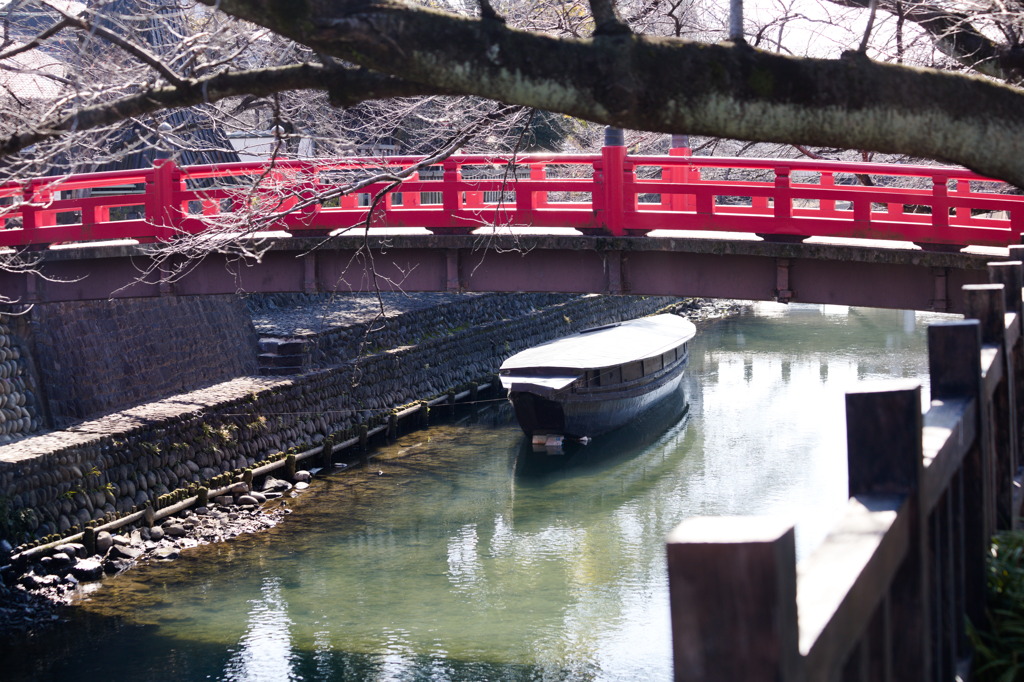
(19, 389)
(154, 454)
(338, 345)
(95, 357)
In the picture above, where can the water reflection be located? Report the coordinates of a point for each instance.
(458, 554)
(264, 652)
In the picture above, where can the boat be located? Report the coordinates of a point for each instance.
(597, 380)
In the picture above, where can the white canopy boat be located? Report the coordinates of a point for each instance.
(597, 380)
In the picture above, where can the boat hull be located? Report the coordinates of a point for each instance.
(579, 415)
(599, 379)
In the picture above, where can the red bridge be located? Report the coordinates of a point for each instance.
(644, 200)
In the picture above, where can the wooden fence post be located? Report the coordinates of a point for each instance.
(884, 452)
(1011, 275)
(732, 594)
(954, 364)
(986, 303)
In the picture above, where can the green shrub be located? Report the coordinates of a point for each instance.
(999, 642)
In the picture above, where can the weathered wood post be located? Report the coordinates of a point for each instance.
(327, 453)
(954, 366)
(884, 457)
(986, 303)
(732, 594)
(392, 433)
(1011, 275)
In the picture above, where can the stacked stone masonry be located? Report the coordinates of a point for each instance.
(95, 357)
(19, 409)
(154, 454)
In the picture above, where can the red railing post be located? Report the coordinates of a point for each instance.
(34, 214)
(162, 187)
(827, 206)
(783, 196)
(451, 200)
(28, 212)
(963, 187)
(412, 199)
(680, 146)
(609, 183)
(524, 199)
(305, 190)
(940, 203)
(539, 171)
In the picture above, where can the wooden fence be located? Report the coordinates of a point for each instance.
(888, 593)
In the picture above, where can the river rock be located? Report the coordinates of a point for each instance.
(87, 569)
(301, 485)
(174, 530)
(156, 533)
(73, 549)
(112, 566)
(104, 541)
(302, 476)
(259, 497)
(276, 485)
(246, 500)
(121, 540)
(32, 581)
(166, 553)
(60, 563)
(124, 552)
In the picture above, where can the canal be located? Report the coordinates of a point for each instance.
(457, 554)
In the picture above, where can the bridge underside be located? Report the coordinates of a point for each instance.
(752, 270)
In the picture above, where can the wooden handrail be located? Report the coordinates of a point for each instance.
(888, 593)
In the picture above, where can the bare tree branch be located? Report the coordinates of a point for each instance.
(673, 85)
(38, 40)
(142, 54)
(345, 86)
(955, 34)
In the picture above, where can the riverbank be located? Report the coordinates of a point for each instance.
(33, 592)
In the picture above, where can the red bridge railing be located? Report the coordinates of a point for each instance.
(607, 193)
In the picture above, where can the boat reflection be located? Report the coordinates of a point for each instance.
(602, 474)
(614, 447)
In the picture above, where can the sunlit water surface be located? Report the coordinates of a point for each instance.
(455, 554)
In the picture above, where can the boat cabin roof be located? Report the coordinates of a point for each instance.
(608, 346)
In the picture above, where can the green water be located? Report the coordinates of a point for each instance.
(456, 554)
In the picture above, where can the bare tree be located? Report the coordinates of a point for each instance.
(593, 69)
